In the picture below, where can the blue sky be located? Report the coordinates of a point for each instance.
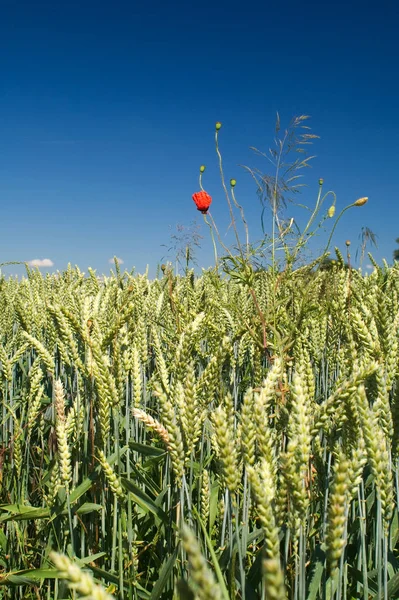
(108, 109)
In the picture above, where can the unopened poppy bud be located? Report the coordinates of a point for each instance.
(202, 168)
(321, 181)
(331, 211)
(233, 182)
(218, 125)
(348, 243)
(361, 201)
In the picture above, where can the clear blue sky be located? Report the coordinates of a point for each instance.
(108, 109)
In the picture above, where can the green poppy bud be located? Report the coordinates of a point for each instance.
(202, 168)
(233, 182)
(218, 125)
(321, 181)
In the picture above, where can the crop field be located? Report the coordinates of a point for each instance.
(195, 437)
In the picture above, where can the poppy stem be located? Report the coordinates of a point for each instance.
(213, 238)
(233, 222)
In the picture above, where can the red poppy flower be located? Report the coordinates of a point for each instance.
(202, 201)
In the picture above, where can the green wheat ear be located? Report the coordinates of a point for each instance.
(203, 580)
(78, 581)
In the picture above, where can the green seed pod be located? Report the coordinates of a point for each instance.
(218, 125)
(233, 182)
(202, 168)
(321, 181)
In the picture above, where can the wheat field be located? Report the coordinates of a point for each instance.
(186, 437)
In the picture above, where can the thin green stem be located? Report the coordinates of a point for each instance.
(213, 240)
(335, 225)
(233, 223)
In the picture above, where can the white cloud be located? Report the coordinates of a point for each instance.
(120, 260)
(40, 262)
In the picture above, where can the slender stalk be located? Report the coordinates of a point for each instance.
(232, 219)
(213, 240)
(243, 220)
(362, 523)
(336, 223)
